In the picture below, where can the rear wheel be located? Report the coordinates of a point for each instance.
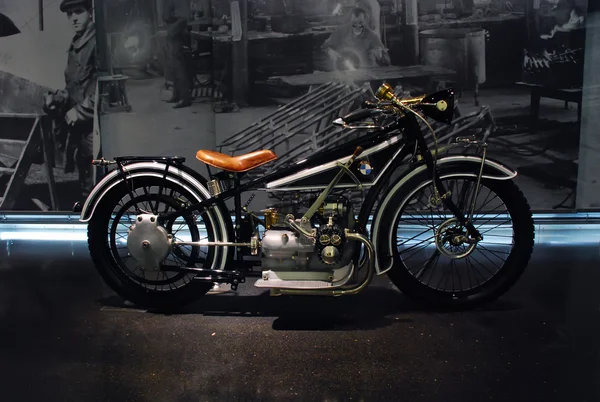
(433, 260)
(123, 230)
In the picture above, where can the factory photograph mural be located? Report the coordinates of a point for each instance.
(517, 68)
(175, 76)
(47, 106)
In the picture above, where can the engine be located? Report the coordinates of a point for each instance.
(284, 249)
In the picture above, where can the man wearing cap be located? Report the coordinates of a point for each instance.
(74, 106)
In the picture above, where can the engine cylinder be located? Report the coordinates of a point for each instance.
(281, 244)
(284, 249)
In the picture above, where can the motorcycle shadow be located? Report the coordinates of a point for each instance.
(373, 309)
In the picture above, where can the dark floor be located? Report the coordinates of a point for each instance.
(63, 339)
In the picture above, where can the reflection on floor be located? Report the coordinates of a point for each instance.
(65, 336)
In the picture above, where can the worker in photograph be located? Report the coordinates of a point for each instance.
(373, 10)
(175, 14)
(73, 107)
(355, 45)
(371, 7)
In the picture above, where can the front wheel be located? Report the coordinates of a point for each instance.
(432, 258)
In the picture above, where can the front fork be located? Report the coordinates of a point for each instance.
(466, 221)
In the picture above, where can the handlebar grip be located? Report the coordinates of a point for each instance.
(370, 105)
(357, 115)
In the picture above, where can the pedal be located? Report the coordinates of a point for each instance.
(278, 283)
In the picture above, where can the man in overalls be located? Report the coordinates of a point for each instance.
(75, 104)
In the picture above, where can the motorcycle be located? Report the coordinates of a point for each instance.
(162, 236)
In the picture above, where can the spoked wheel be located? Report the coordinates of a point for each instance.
(132, 247)
(434, 259)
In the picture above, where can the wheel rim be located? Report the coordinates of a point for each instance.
(429, 253)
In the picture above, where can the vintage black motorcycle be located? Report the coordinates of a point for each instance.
(161, 235)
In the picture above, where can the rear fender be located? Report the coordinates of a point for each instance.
(492, 171)
(193, 182)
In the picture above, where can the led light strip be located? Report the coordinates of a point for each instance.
(549, 234)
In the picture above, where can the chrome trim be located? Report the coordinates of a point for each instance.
(144, 167)
(322, 187)
(339, 122)
(214, 187)
(210, 243)
(254, 245)
(330, 165)
(361, 127)
(340, 186)
(336, 284)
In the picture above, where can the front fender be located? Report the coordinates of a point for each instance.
(493, 170)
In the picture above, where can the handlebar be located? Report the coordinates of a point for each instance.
(386, 103)
(357, 115)
(369, 109)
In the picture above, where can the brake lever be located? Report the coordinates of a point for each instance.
(375, 105)
(341, 123)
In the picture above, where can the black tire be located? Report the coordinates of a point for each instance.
(114, 275)
(509, 273)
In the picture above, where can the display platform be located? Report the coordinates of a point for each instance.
(68, 334)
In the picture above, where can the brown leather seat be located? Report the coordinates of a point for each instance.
(241, 163)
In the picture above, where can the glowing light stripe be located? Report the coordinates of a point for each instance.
(554, 234)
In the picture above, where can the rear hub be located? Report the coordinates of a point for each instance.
(148, 242)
